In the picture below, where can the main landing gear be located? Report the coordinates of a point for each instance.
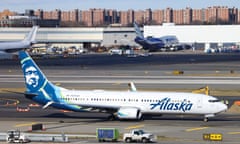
(205, 119)
(112, 117)
(208, 116)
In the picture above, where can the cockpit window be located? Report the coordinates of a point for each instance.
(214, 100)
(141, 132)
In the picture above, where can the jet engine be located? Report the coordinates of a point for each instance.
(129, 113)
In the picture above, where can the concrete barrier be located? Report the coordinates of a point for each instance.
(41, 137)
(48, 137)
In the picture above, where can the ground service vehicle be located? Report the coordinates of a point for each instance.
(15, 136)
(138, 136)
(107, 134)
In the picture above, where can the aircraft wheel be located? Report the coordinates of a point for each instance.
(141, 118)
(205, 119)
(112, 117)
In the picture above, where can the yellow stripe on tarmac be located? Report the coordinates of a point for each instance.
(57, 84)
(134, 127)
(233, 133)
(195, 129)
(25, 124)
(116, 84)
(12, 90)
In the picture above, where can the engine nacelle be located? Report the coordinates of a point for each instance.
(129, 113)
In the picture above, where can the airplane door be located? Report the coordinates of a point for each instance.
(199, 103)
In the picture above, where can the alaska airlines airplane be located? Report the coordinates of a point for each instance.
(120, 104)
(164, 43)
(14, 46)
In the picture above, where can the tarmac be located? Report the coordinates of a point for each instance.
(151, 73)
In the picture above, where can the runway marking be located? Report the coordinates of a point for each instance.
(233, 133)
(195, 129)
(57, 84)
(116, 84)
(10, 90)
(134, 127)
(25, 124)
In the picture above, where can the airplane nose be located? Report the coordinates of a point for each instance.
(224, 107)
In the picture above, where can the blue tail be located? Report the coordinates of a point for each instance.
(34, 78)
(35, 81)
(39, 89)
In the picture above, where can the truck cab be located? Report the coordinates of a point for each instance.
(138, 135)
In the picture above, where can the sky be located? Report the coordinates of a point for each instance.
(22, 5)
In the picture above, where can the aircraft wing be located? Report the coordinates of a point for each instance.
(99, 109)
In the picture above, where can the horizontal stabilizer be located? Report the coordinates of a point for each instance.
(48, 104)
(30, 95)
(27, 94)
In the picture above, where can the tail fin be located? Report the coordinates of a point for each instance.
(39, 88)
(31, 35)
(138, 31)
(35, 80)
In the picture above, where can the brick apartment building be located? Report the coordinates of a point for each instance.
(104, 17)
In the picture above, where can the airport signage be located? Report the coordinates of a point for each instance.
(212, 137)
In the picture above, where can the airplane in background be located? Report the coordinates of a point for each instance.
(131, 104)
(164, 43)
(14, 46)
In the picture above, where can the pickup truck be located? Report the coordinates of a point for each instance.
(15, 136)
(138, 135)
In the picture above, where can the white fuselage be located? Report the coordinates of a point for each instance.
(11, 47)
(146, 102)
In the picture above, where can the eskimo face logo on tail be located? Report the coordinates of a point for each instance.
(166, 104)
(31, 76)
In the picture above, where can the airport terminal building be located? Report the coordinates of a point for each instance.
(203, 36)
(82, 37)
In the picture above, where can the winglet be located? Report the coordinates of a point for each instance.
(132, 87)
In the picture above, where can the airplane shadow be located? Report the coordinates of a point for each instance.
(100, 117)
